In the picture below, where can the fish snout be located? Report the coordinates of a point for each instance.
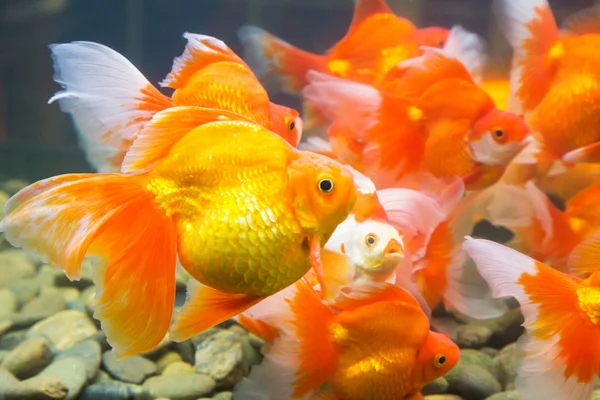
(393, 249)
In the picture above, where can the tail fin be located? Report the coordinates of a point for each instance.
(112, 217)
(277, 63)
(532, 32)
(109, 100)
(560, 352)
(469, 49)
(301, 359)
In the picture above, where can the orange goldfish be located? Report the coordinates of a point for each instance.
(110, 101)
(427, 115)
(560, 351)
(556, 77)
(374, 343)
(245, 213)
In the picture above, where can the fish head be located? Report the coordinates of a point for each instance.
(497, 137)
(323, 193)
(438, 355)
(434, 36)
(286, 122)
(376, 245)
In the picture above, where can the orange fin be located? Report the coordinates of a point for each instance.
(368, 293)
(318, 356)
(167, 128)
(277, 63)
(338, 271)
(587, 154)
(317, 265)
(532, 32)
(325, 395)
(107, 97)
(583, 22)
(583, 260)
(363, 9)
(557, 358)
(259, 328)
(206, 307)
(111, 217)
(200, 51)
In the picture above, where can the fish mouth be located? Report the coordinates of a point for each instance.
(393, 249)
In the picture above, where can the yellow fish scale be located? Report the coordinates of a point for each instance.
(228, 86)
(372, 363)
(232, 207)
(589, 302)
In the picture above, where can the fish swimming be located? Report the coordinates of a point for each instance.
(110, 100)
(244, 212)
(373, 343)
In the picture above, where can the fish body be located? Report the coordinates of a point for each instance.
(110, 101)
(360, 345)
(245, 213)
(428, 115)
(555, 78)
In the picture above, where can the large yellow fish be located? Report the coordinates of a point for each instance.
(244, 211)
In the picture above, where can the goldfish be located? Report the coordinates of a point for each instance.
(559, 352)
(110, 101)
(428, 115)
(555, 78)
(244, 212)
(376, 40)
(374, 343)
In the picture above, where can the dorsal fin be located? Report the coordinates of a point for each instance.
(583, 22)
(363, 9)
(167, 128)
(200, 51)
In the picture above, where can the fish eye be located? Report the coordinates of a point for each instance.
(292, 125)
(439, 361)
(441, 43)
(499, 133)
(326, 185)
(370, 239)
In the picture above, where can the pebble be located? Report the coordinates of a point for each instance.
(222, 396)
(14, 266)
(11, 340)
(255, 341)
(25, 290)
(28, 358)
(251, 354)
(102, 376)
(39, 388)
(8, 303)
(47, 275)
(167, 359)
(68, 294)
(90, 352)
(3, 199)
(3, 354)
(473, 382)
(87, 298)
(505, 366)
(436, 386)
(5, 326)
(221, 357)
(160, 349)
(65, 328)
(475, 357)
(180, 387)
(178, 368)
(510, 395)
(490, 351)
(115, 391)
(44, 306)
(69, 370)
(472, 336)
(186, 350)
(134, 369)
(84, 282)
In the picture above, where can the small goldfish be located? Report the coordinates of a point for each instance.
(110, 101)
(556, 77)
(374, 343)
(427, 115)
(560, 351)
(245, 213)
